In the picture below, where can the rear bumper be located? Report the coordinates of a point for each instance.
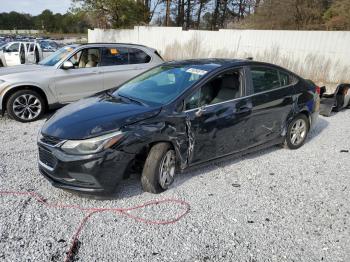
(98, 173)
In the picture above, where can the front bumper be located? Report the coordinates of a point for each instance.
(97, 173)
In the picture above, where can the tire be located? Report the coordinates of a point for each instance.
(22, 100)
(301, 131)
(152, 174)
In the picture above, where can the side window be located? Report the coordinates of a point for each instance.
(193, 100)
(264, 79)
(114, 56)
(137, 56)
(13, 48)
(86, 58)
(285, 78)
(224, 87)
(31, 47)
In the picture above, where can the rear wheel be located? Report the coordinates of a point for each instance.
(159, 169)
(297, 132)
(25, 106)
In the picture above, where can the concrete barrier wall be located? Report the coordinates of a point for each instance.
(319, 55)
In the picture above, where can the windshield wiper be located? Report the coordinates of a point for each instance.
(132, 100)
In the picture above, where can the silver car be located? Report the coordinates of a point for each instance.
(71, 73)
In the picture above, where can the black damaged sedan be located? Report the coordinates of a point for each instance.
(172, 117)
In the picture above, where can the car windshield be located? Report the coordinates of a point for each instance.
(164, 83)
(57, 56)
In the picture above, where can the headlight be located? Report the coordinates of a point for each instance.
(92, 145)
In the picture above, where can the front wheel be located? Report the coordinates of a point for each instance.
(25, 106)
(159, 169)
(297, 132)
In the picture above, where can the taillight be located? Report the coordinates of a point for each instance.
(318, 90)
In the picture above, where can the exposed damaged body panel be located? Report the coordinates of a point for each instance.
(335, 102)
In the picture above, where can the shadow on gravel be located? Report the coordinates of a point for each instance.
(319, 127)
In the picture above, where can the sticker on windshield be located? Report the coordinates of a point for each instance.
(196, 71)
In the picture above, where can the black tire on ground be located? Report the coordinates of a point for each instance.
(29, 93)
(289, 140)
(150, 178)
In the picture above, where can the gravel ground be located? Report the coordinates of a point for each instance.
(274, 205)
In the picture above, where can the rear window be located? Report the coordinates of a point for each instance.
(137, 56)
(123, 56)
(115, 56)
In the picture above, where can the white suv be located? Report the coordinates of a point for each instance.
(71, 73)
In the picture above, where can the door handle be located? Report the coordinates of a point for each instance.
(244, 110)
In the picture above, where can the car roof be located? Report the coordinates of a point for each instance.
(107, 44)
(221, 62)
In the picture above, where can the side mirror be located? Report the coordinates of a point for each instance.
(67, 65)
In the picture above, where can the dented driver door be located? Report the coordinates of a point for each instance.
(218, 130)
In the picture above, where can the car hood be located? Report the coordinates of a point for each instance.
(95, 116)
(22, 69)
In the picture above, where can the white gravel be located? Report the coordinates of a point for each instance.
(274, 205)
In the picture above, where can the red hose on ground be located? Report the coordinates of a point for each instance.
(92, 211)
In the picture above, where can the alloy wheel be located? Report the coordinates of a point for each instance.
(167, 169)
(298, 132)
(27, 107)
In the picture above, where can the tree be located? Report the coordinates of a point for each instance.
(290, 14)
(116, 13)
(338, 15)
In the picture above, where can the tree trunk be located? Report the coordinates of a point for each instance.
(215, 15)
(223, 17)
(182, 16)
(199, 13)
(167, 14)
(178, 20)
(188, 14)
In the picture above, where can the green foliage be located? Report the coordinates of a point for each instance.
(114, 13)
(189, 14)
(46, 21)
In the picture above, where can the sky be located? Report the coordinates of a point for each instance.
(34, 7)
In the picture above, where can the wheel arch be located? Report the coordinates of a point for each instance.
(307, 114)
(144, 151)
(23, 87)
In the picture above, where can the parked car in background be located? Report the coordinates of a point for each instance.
(17, 53)
(69, 74)
(336, 101)
(172, 117)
